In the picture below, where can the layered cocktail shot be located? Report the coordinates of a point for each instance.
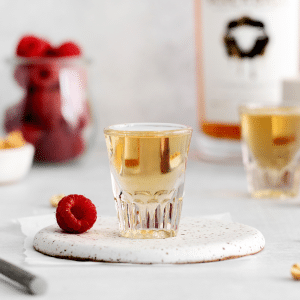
(148, 163)
(271, 150)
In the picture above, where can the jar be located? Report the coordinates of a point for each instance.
(53, 113)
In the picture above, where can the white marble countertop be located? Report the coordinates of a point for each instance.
(210, 189)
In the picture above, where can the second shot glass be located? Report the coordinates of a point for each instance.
(271, 150)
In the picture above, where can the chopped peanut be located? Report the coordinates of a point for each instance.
(55, 199)
(13, 140)
(295, 270)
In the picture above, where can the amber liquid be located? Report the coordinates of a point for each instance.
(148, 164)
(272, 138)
(148, 177)
(221, 130)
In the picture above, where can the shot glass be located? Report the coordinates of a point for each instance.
(148, 163)
(271, 150)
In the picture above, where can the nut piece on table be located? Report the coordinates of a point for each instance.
(295, 270)
(55, 199)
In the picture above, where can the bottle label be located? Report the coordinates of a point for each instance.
(248, 47)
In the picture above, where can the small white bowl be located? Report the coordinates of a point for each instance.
(15, 163)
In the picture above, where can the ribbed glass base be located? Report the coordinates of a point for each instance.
(272, 183)
(156, 218)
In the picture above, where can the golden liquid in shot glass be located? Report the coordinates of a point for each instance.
(148, 163)
(271, 150)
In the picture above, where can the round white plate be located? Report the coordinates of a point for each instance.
(199, 240)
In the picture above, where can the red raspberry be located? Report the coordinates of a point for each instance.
(44, 75)
(78, 144)
(76, 214)
(46, 106)
(13, 116)
(31, 133)
(51, 52)
(54, 146)
(31, 45)
(69, 49)
(21, 75)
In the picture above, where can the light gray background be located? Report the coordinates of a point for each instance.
(142, 52)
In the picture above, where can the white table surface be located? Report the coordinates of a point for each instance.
(210, 189)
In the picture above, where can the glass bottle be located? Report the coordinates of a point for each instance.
(244, 48)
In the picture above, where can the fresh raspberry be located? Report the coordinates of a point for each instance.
(60, 144)
(44, 75)
(76, 214)
(32, 46)
(78, 144)
(46, 107)
(31, 133)
(54, 146)
(51, 52)
(21, 75)
(13, 116)
(69, 49)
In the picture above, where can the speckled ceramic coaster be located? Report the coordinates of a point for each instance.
(199, 240)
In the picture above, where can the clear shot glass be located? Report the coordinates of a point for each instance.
(148, 163)
(271, 150)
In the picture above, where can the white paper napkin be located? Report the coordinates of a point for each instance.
(31, 225)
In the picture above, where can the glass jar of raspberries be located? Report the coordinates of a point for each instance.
(54, 112)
